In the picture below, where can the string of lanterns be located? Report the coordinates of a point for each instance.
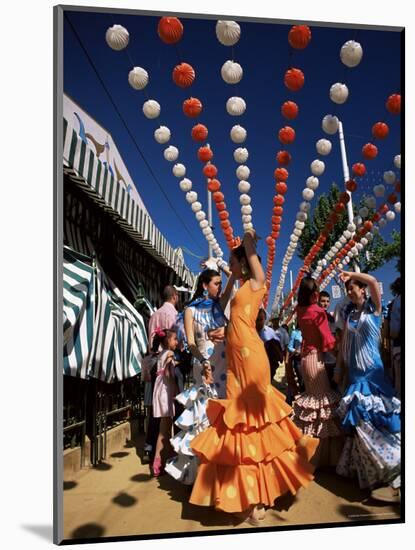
(299, 37)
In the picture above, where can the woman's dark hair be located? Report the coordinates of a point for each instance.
(162, 340)
(240, 253)
(204, 278)
(308, 287)
(357, 283)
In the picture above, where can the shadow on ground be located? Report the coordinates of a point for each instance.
(43, 531)
(348, 489)
(88, 531)
(125, 500)
(67, 485)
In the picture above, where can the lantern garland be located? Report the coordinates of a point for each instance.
(299, 36)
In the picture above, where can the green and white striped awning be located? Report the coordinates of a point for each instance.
(104, 336)
(84, 168)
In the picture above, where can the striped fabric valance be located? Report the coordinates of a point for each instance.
(87, 171)
(104, 336)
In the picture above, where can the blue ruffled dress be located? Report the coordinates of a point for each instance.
(369, 409)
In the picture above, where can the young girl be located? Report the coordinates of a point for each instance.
(148, 376)
(369, 409)
(315, 408)
(252, 453)
(164, 393)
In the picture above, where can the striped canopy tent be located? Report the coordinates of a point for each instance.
(104, 336)
(86, 171)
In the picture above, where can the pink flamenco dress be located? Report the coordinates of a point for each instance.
(315, 409)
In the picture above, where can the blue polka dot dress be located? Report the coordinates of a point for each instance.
(194, 420)
(369, 409)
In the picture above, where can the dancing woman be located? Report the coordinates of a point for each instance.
(252, 453)
(204, 324)
(369, 409)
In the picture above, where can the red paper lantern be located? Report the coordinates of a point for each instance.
(279, 200)
(225, 224)
(383, 208)
(170, 30)
(392, 198)
(220, 206)
(281, 187)
(218, 196)
(269, 241)
(283, 158)
(380, 130)
(192, 107)
(393, 104)
(294, 79)
(351, 186)
(276, 227)
(359, 169)
(199, 132)
(214, 185)
(286, 135)
(398, 186)
(183, 75)
(278, 210)
(205, 154)
(275, 234)
(329, 226)
(281, 174)
(344, 197)
(299, 36)
(368, 225)
(376, 217)
(210, 170)
(369, 151)
(289, 110)
(224, 215)
(340, 208)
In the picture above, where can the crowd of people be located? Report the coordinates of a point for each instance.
(219, 421)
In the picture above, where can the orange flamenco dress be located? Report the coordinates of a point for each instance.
(252, 452)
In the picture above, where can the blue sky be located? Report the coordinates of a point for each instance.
(265, 55)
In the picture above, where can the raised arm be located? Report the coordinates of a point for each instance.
(226, 294)
(257, 273)
(371, 282)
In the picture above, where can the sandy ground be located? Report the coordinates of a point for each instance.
(120, 498)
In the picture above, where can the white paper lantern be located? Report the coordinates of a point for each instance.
(343, 239)
(351, 227)
(338, 245)
(324, 262)
(330, 254)
(397, 161)
(228, 32)
(379, 190)
(151, 108)
(340, 266)
(235, 106)
(204, 223)
(247, 226)
(138, 78)
(185, 185)
(389, 177)
(231, 72)
(246, 209)
(358, 221)
(171, 153)
(242, 172)
(240, 155)
(200, 215)
(210, 237)
(330, 124)
(397, 207)
(196, 206)
(390, 215)
(191, 197)
(354, 251)
(294, 238)
(179, 170)
(347, 234)
(351, 53)
(333, 249)
(359, 246)
(369, 236)
(301, 216)
(244, 186)
(370, 202)
(238, 134)
(382, 223)
(207, 231)
(339, 93)
(245, 199)
(364, 241)
(323, 147)
(246, 218)
(308, 194)
(363, 212)
(117, 37)
(312, 183)
(297, 232)
(346, 260)
(299, 225)
(220, 254)
(317, 167)
(305, 206)
(162, 135)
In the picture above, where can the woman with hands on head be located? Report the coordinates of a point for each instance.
(369, 408)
